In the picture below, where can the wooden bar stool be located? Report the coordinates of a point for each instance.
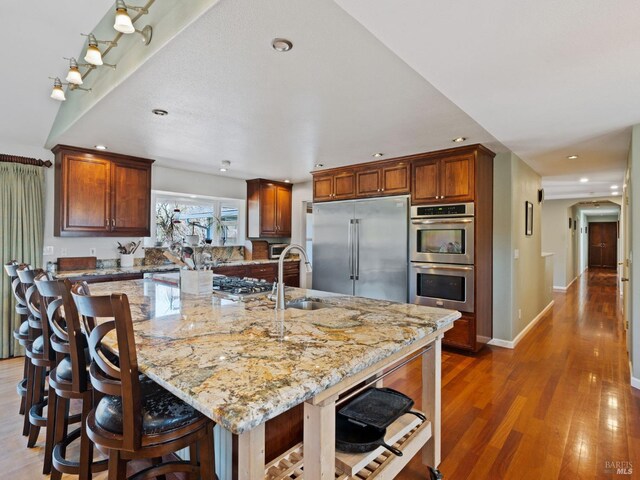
(67, 381)
(137, 419)
(35, 352)
(21, 334)
(42, 358)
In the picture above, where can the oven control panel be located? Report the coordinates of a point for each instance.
(451, 210)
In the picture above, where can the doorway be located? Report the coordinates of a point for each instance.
(603, 244)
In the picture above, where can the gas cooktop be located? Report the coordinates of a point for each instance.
(236, 287)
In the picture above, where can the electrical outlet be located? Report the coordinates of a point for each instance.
(92, 252)
(63, 252)
(519, 314)
(48, 250)
(516, 254)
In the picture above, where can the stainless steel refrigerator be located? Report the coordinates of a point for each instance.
(360, 247)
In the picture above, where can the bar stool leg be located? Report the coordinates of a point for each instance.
(60, 428)
(51, 425)
(86, 445)
(23, 399)
(38, 397)
(207, 461)
(28, 397)
(117, 466)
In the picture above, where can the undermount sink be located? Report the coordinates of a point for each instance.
(306, 304)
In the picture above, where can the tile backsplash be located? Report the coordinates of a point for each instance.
(155, 255)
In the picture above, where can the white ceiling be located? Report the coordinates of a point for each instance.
(35, 35)
(336, 98)
(548, 79)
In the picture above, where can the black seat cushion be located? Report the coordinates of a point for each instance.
(64, 371)
(161, 411)
(38, 345)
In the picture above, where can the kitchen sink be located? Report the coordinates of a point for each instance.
(306, 304)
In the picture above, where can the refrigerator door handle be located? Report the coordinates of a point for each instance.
(350, 247)
(357, 254)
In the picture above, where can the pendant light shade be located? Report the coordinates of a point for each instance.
(123, 22)
(58, 93)
(74, 75)
(93, 55)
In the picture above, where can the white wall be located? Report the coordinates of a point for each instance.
(520, 289)
(634, 270)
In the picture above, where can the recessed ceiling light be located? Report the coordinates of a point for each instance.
(584, 180)
(193, 196)
(378, 155)
(459, 139)
(160, 112)
(281, 44)
(615, 193)
(100, 147)
(225, 165)
(572, 157)
(614, 187)
(287, 181)
(319, 165)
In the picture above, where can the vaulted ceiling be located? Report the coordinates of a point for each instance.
(543, 79)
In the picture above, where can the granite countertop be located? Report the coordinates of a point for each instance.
(243, 363)
(153, 268)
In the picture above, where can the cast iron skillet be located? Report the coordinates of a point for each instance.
(352, 437)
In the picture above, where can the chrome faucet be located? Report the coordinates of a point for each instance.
(280, 285)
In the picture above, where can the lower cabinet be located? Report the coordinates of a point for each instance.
(263, 271)
(463, 333)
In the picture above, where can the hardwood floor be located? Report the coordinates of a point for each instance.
(559, 406)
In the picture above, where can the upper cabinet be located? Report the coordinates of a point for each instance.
(361, 181)
(444, 179)
(268, 208)
(101, 195)
(445, 176)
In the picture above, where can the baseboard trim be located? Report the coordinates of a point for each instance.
(564, 289)
(635, 382)
(513, 343)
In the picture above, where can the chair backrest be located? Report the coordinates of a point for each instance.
(121, 380)
(67, 337)
(16, 285)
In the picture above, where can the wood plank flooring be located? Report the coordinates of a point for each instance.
(559, 406)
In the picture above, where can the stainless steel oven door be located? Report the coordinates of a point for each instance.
(442, 240)
(446, 286)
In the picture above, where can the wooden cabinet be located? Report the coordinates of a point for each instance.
(268, 208)
(366, 180)
(443, 179)
(101, 195)
(338, 186)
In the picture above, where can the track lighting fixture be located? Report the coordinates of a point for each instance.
(124, 24)
(94, 56)
(57, 93)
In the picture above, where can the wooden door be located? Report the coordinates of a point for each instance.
(344, 186)
(425, 175)
(268, 209)
(131, 199)
(457, 179)
(603, 244)
(395, 179)
(368, 182)
(85, 193)
(283, 211)
(322, 188)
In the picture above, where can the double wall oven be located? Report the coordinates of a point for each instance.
(442, 256)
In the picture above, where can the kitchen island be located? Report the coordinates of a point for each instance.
(243, 363)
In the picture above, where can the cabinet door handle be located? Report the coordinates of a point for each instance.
(113, 222)
(106, 222)
(382, 189)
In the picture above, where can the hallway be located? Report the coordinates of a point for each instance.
(559, 406)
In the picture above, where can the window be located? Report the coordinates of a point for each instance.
(214, 221)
